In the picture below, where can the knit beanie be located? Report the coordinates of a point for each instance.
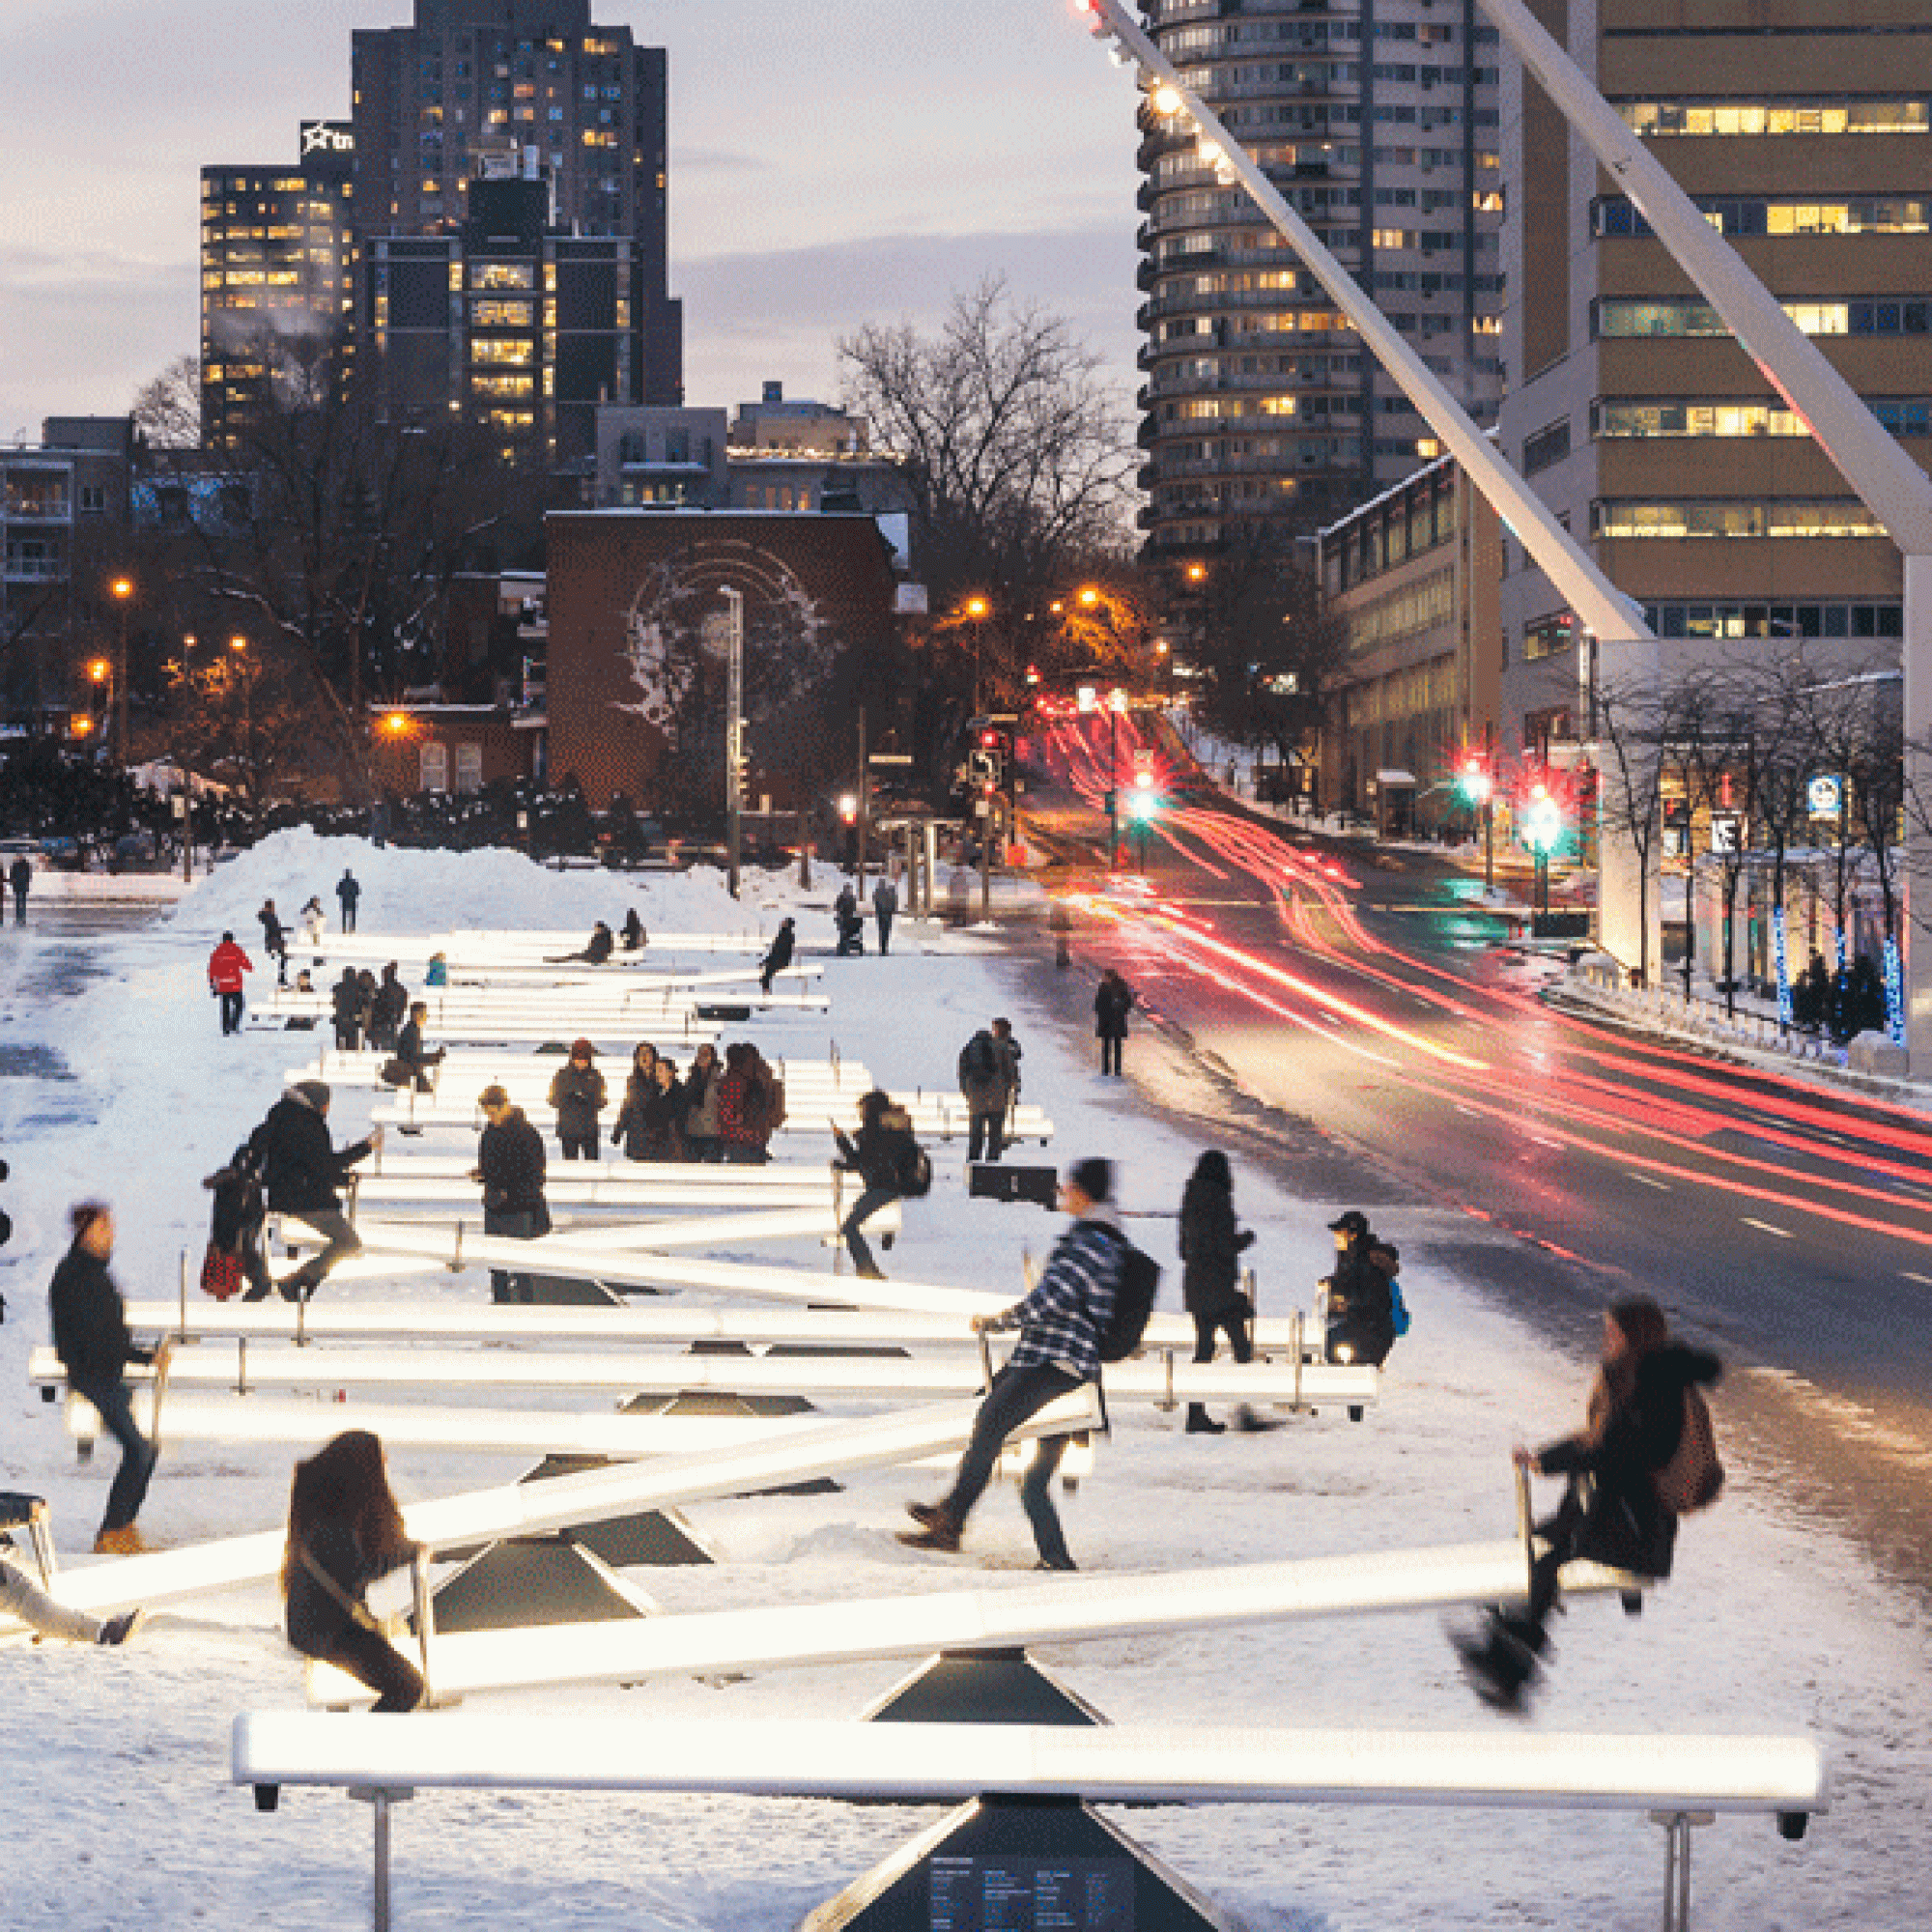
(1094, 1178)
(314, 1092)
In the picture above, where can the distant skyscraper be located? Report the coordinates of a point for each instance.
(1377, 120)
(278, 261)
(480, 87)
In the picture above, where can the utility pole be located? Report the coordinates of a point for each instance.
(864, 812)
(734, 729)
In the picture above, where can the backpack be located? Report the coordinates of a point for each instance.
(914, 1168)
(1694, 1478)
(979, 1062)
(1133, 1302)
(221, 1272)
(1398, 1309)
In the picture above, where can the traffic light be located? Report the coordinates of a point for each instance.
(1473, 779)
(1543, 820)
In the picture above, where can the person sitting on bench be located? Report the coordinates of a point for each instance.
(22, 1598)
(603, 942)
(345, 1530)
(411, 1060)
(636, 938)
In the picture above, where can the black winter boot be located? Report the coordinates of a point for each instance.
(1200, 1423)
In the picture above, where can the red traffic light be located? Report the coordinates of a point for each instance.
(990, 740)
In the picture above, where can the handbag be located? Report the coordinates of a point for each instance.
(221, 1272)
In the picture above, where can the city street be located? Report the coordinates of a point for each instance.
(1558, 1156)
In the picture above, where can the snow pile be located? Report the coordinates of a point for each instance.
(116, 1800)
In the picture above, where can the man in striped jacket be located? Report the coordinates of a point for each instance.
(1061, 1324)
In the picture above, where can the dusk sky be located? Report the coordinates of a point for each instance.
(832, 163)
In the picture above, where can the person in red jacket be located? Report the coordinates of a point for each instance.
(226, 965)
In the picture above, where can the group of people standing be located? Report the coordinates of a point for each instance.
(715, 1111)
(849, 923)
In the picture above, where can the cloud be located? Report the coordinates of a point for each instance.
(719, 161)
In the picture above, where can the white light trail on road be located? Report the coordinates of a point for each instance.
(1782, 1233)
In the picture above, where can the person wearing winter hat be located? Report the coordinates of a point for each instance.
(510, 1165)
(1061, 1324)
(302, 1170)
(578, 1092)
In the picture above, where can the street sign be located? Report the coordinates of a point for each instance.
(890, 758)
(1727, 831)
(1825, 795)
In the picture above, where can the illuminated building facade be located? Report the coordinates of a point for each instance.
(1801, 129)
(278, 271)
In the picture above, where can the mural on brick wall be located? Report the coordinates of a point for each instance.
(676, 634)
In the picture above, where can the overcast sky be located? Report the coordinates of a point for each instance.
(833, 163)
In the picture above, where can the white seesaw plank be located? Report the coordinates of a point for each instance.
(561, 1502)
(1108, 1764)
(826, 1378)
(1066, 1609)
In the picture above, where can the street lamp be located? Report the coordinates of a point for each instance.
(1117, 702)
(123, 589)
(977, 610)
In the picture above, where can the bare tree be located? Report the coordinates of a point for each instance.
(1017, 456)
(167, 409)
(240, 716)
(1632, 797)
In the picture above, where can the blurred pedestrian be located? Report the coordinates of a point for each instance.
(1646, 1457)
(91, 1338)
(345, 1531)
(884, 1157)
(1212, 1246)
(20, 877)
(302, 1170)
(780, 954)
(1061, 1324)
(274, 940)
(226, 965)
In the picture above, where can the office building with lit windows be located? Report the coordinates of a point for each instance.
(278, 271)
(1263, 415)
(475, 87)
(1800, 127)
(510, 323)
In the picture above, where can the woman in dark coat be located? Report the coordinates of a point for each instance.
(1361, 1293)
(780, 954)
(92, 1340)
(1112, 1004)
(1211, 1255)
(345, 1531)
(628, 1129)
(1618, 1507)
(664, 1115)
(578, 1092)
(701, 1119)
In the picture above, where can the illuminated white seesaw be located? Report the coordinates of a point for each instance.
(827, 1378)
(1064, 1610)
(748, 1222)
(808, 1450)
(565, 1005)
(1677, 1780)
(480, 945)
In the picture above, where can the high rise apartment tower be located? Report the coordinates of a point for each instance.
(1263, 415)
(516, 87)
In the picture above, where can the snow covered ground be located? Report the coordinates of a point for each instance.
(115, 1808)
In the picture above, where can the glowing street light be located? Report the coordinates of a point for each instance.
(122, 589)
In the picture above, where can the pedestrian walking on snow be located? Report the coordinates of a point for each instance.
(510, 1164)
(91, 1338)
(345, 1531)
(388, 1010)
(226, 965)
(1061, 1324)
(884, 907)
(345, 1001)
(1112, 1004)
(302, 1170)
(578, 1092)
(987, 1076)
(1646, 1457)
(313, 920)
(348, 895)
(20, 877)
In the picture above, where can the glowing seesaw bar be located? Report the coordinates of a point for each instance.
(822, 1377)
(1066, 1609)
(305, 1424)
(1113, 1764)
(820, 1222)
(812, 1449)
(565, 1187)
(333, 1319)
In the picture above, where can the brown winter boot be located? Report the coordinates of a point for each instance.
(941, 1532)
(127, 1542)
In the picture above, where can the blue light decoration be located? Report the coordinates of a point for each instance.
(1781, 961)
(1895, 993)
